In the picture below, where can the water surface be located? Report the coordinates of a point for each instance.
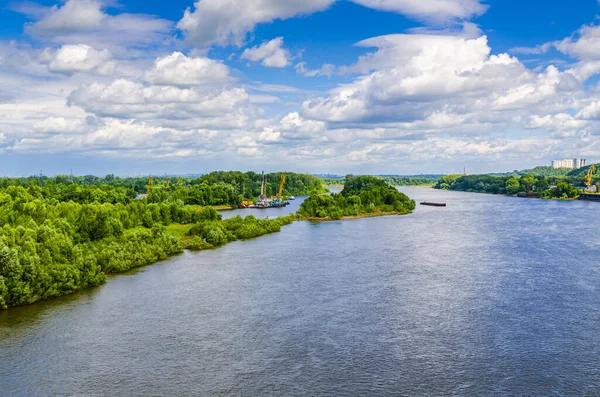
(490, 296)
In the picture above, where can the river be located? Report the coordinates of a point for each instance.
(489, 296)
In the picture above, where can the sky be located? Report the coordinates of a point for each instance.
(133, 87)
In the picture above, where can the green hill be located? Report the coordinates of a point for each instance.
(583, 171)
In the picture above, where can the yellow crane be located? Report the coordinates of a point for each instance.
(281, 183)
(588, 178)
(150, 187)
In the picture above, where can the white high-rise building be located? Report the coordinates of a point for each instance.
(569, 163)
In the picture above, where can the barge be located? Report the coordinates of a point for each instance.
(433, 204)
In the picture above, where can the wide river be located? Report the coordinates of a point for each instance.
(490, 296)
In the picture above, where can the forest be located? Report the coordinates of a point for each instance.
(63, 234)
(394, 180)
(557, 187)
(361, 196)
(217, 188)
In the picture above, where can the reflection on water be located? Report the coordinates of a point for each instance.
(491, 295)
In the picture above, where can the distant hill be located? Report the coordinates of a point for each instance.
(583, 171)
(551, 172)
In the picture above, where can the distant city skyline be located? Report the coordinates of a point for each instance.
(319, 86)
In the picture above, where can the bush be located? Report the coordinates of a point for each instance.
(198, 244)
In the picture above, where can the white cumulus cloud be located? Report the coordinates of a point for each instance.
(74, 58)
(270, 54)
(74, 15)
(180, 70)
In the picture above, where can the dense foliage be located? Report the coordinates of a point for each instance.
(213, 232)
(217, 188)
(394, 180)
(569, 174)
(541, 186)
(62, 237)
(49, 249)
(362, 195)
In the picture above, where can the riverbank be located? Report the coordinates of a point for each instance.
(108, 240)
(216, 207)
(353, 217)
(535, 197)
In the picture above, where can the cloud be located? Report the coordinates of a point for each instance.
(555, 122)
(73, 16)
(59, 125)
(429, 10)
(439, 94)
(270, 54)
(584, 45)
(128, 99)
(180, 70)
(227, 23)
(214, 22)
(325, 70)
(71, 59)
(411, 76)
(87, 22)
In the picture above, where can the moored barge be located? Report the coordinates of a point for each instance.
(433, 204)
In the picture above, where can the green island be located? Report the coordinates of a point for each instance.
(362, 196)
(64, 234)
(540, 182)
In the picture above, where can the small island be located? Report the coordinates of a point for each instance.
(362, 196)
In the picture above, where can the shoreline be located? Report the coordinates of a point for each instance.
(353, 217)
(517, 196)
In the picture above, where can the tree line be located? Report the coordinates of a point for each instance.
(394, 180)
(529, 184)
(217, 188)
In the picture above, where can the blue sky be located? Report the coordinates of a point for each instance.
(323, 86)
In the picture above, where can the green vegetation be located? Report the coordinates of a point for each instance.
(394, 180)
(529, 184)
(70, 233)
(48, 249)
(214, 232)
(549, 172)
(361, 196)
(221, 189)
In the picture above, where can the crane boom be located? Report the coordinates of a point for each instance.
(588, 178)
(263, 186)
(281, 183)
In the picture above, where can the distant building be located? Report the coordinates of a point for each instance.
(569, 163)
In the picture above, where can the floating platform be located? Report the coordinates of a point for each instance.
(433, 204)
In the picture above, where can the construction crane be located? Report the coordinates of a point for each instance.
(281, 183)
(150, 187)
(588, 178)
(263, 188)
